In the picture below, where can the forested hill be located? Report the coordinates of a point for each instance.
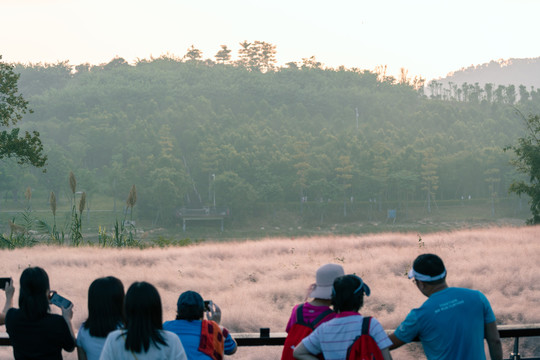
(184, 132)
(515, 72)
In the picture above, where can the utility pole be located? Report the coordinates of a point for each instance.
(214, 185)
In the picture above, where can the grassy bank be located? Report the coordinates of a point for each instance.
(102, 215)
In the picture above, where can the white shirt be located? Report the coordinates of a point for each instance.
(333, 337)
(91, 345)
(114, 348)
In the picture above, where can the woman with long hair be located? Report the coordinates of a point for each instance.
(143, 337)
(34, 332)
(105, 314)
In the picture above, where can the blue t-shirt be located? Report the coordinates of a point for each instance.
(189, 333)
(450, 324)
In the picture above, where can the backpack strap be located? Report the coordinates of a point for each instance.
(321, 316)
(365, 325)
(300, 315)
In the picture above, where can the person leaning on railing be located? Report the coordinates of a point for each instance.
(334, 338)
(34, 332)
(453, 322)
(10, 290)
(310, 314)
(320, 293)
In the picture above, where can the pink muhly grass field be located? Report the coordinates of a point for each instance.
(256, 283)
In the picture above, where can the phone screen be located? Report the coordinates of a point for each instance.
(60, 301)
(207, 305)
(4, 281)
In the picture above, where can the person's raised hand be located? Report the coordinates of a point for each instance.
(67, 313)
(10, 289)
(214, 312)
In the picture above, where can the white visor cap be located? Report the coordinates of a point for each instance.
(425, 278)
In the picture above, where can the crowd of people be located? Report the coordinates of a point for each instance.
(451, 324)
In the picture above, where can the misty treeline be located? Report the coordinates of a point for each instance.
(520, 72)
(194, 133)
(488, 92)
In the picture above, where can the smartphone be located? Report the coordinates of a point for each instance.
(60, 301)
(3, 282)
(207, 305)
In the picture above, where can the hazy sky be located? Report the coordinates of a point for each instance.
(428, 37)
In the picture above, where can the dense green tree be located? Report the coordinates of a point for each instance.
(292, 65)
(523, 94)
(344, 176)
(117, 62)
(234, 192)
(223, 56)
(527, 151)
(165, 192)
(500, 94)
(430, 179)
(311, 63)
(257, 56)
(249, 136)
(10, 181)
(488, 90)
(193, 54)
(45, 76)
(27, 149)
(511, 94)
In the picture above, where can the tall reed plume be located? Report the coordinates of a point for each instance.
(132, 197)
(52, 202)
(75, 232)
(82, 202)
(131, 200)
(72, 182)
(28, 196)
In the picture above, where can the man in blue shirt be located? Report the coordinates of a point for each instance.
(201, 339)
(453, 322)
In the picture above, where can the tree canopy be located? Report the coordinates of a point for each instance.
(27, 148)
(527, 151)
(188, 131)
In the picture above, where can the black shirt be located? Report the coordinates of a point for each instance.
(41, 339)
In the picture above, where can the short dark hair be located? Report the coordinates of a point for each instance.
(343, 296)
(431, 265)
(144, 317)
(190, 306)
(105, 306)
(34, 293)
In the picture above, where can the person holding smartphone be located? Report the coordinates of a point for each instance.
(7, 286)
(34, 332)
(202, 339)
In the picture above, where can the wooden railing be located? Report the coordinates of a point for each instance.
(265, 338)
